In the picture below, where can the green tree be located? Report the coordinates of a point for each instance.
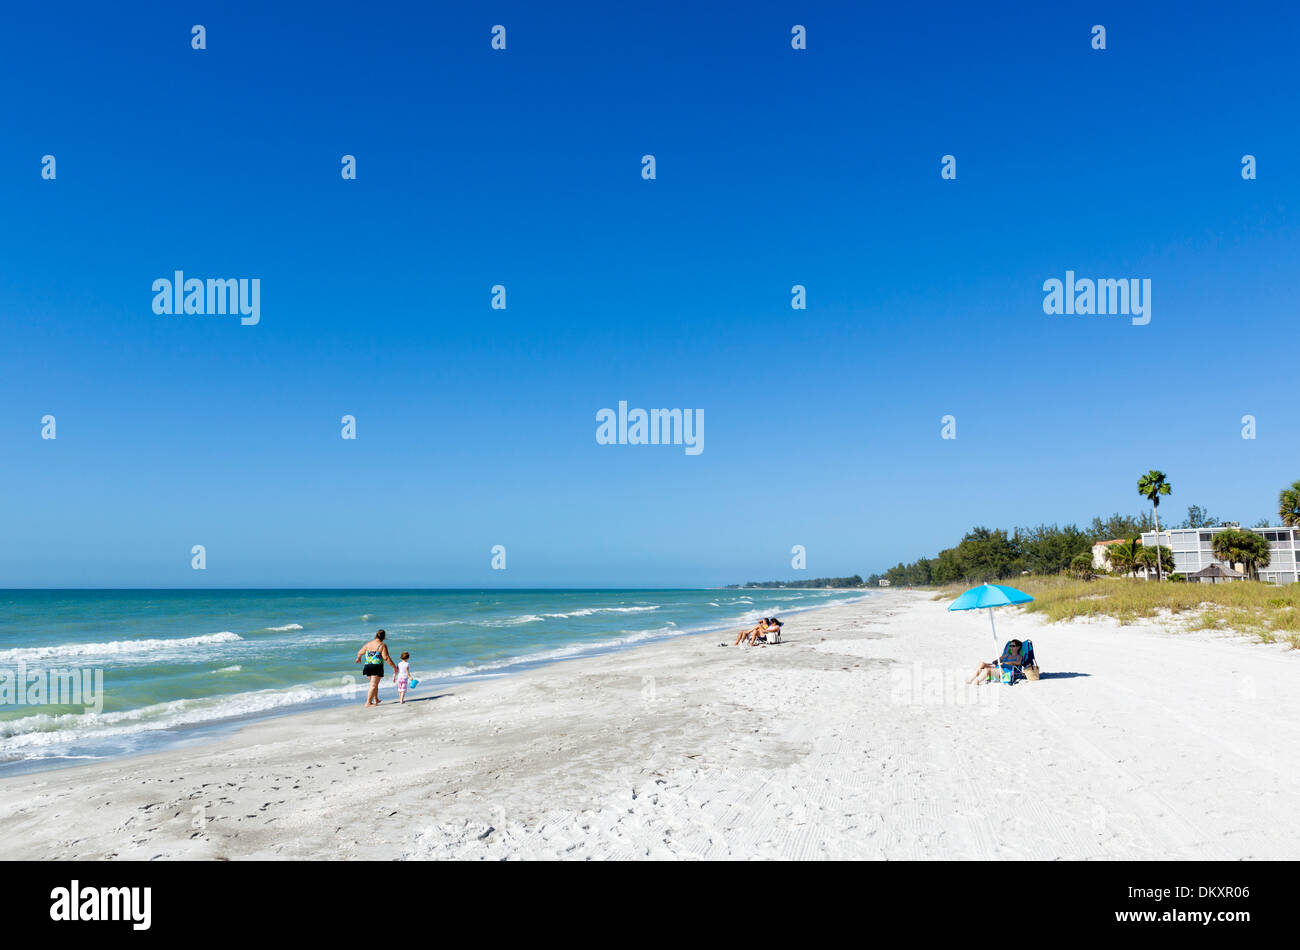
(1122, 556)
(1048, 549)
(987, 555)
(1151, 557)
(1151, 486)
(947, 567)
(1118, 526)
(1245, 547)
(1081, 565)
(1197, 517)
(1288, 505)
(920, 572)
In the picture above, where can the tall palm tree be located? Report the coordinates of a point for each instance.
(1288, 505)
(1151, 486)
(1244, 547)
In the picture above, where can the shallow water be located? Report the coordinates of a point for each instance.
(172, 662)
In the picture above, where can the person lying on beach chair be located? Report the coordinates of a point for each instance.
(1008, 666)
(752, 634)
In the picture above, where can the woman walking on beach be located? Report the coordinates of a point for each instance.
(375, 654)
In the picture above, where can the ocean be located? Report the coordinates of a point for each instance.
(176, 666)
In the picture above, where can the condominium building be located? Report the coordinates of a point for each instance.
(1193, 552)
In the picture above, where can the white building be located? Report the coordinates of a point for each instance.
(1192, 551)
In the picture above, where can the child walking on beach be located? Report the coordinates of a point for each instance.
(402, 676)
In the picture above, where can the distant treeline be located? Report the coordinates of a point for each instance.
(989, 554)
(854, 581)
(986, 554)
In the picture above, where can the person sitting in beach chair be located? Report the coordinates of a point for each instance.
(1010, 666)
(773, 632)
(752, 634)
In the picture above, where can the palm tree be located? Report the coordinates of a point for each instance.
(1123, 556)
(1244, 547)
(1151, 486)
(1148, 558)
(1288, 505)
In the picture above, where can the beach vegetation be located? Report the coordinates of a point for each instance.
(1263, 611)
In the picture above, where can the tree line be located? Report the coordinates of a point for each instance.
(989, 554)
(854, 581)
(986, 554)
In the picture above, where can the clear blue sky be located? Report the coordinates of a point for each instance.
(477, 427)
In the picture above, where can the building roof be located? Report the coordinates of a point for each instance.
(1216, 570)
(1116, 541)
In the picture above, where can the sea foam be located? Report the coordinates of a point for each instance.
(114, 648)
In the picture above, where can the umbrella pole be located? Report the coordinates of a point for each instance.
(993, 625)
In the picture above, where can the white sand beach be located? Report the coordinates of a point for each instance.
(853, 739)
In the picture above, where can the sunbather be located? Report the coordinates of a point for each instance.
(752, 634)
(1011, 658)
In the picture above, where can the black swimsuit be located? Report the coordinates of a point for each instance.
(371, 668)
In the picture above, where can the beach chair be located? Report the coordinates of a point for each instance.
(1011, 674)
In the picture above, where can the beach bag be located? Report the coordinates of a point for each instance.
(1031, 661)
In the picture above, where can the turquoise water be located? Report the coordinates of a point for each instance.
(175, 664)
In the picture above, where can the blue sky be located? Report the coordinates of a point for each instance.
(775, 167)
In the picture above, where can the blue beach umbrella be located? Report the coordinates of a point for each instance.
(988, 596)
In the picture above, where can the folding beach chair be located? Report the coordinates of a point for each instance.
(1011, 673)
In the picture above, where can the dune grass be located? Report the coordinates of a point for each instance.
(1265, 611)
